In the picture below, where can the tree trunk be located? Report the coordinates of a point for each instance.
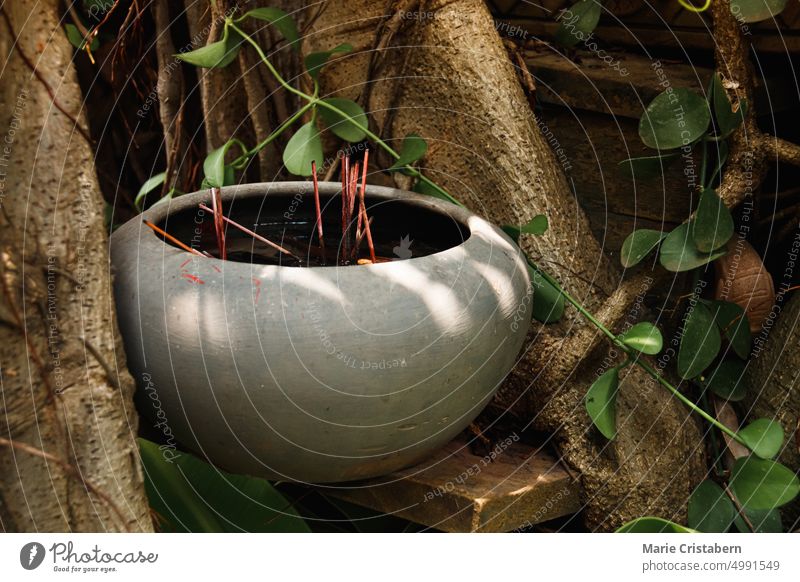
(440, 69)
(68, 455)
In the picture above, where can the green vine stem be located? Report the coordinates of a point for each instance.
(314, 101)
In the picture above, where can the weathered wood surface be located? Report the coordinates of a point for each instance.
(457, 491)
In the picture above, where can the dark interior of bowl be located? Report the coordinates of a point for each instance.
(400, 230)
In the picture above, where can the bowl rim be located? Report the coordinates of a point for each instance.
(160, 212)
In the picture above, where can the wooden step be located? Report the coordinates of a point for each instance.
(512, 487)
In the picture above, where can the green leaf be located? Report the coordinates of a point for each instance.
(713, 224)
(727, 380)
(413, 148)
(194, 496)
(757, 10)
(763, 520)
(280, 20)
(304, 147)
(422, 187)
(762, 483)
(647, 167)
(653, 525)
(727, 119)
(763, 436)
(536, 226)
(644, 337)
(679, 253)
(343, 125)
(77, 40)
(735, 326)
(673, 119)
(149, 185)
(548, 302)
(214, 168)
(601, 402)
(700, 342)
(710, 509)
(638, 245)
(314, 62)
(577, 22)
(216, 54)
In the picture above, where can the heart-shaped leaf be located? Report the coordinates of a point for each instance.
(679, 253)
(675, 118)
(727, 380)
(710, 509)
(349, 125)
(577, 21)
(314, 62)
(762, 483)
(216, 54)
(644, 337)
(413, 148)
(713, 224)
(280, 20)
(700, 342)
(653, 525)
(647, 167)
(638, 245)
(601, 402)
(727, 119)
(214, 167)
(537, 226)
(548, 302)
(735, 326)
(304, 147)
(763, 436)
(150, 184)
(757, 10)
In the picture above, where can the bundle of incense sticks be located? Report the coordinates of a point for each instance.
(351, 194)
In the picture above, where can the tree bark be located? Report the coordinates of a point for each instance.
(446, 76)
(68, 455)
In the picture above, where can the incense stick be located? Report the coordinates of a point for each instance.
(253, 234)
(172, 239)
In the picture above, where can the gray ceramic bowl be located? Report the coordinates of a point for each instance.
(319, 374)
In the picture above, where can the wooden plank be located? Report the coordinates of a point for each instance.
(457, 491)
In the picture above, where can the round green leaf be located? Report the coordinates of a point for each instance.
(638, 245)
(601, 400)
(727, 380)
(280, 20)
(710, 509)
(713, 224)
(548, 302)
(762, 483)
(653, 525)
(763, 520)
(577, 21)
(757, 10)
(675, 118)
(216, 54)
(763, 436)
(700, 342)
(679, 253)
(314, 62)
(345, 125)
(735, 326)
(647, 167)
(644, 337)
(214, 167)
(413, 148)
(304, 147)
